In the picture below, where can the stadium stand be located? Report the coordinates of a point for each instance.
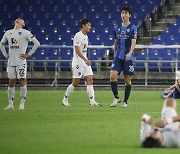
(47, 21)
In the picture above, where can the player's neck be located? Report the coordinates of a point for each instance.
(84, 32)
(126, 23)
(17, 27)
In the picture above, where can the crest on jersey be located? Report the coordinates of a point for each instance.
(19, 33)
(128, 30)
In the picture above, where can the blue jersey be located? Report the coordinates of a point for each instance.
(124, 36)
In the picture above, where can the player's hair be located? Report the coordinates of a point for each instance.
(84, 21)
(127, 9)
(151, 142)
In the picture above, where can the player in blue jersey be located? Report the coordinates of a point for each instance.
(173, 91)
(125, 35)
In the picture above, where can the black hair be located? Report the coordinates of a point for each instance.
(127, 9)
(84, 21)
(151, 142)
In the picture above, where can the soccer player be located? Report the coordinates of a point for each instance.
(169, 136)
(17, 39)
(173, 91)
(81, 66)
(125, 35)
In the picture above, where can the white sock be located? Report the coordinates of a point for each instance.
(69, 90)
(90, 91)
(23, 93)
(11, 92)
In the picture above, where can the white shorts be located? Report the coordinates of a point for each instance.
(81, 71)
(17, 72)
(169, 112)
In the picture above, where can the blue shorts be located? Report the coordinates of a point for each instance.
(120, 65)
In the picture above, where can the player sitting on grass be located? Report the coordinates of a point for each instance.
(167, 134)
(81, 65)
(173, 91)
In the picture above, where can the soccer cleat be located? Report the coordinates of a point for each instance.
(115, 102)
(65, 102)
(9, 107)
(94, 103)
(21, 106)
(124, 105)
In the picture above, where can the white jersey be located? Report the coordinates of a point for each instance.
(80, 40)
(17, 41)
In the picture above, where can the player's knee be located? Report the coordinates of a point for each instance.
(75, 83)
(22, 82)
(170, 102)
(113, 78)
(90, 81)
(12, 83)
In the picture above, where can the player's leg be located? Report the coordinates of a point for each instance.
(116, 69)
(21, 75)
(23, 92)
(90, 90)
(127, 81)
(77, 74)
(11, 87)
(169, 111)
(128, 72)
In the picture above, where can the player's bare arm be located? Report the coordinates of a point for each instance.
(36, 45)
(115, 45)
(163, 123)
(170, 88)
(133, 44)
(77, 49)
(3, 50)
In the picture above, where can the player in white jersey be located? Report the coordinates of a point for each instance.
(168, 133)
(17, 39)
(81, 66)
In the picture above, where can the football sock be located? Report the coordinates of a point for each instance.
(127, 92)
(11, 92)
(90, 91)
(114, 89)
(69, 90)
(23, 93)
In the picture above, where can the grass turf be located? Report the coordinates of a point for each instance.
(45, 126)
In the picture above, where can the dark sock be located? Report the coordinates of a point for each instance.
(114, 89)
(127, 93)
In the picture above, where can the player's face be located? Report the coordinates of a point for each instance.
(20, 22)
(125, 15)
(87, 27)
(156, 134)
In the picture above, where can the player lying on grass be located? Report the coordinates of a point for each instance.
(18, 39)
(173, 91)
(81, 65)
(167, 134)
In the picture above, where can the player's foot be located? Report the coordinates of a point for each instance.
(9, 107)
(65, 102)
(94, 103)
(21, 106)
(124, 105)
(115, 102)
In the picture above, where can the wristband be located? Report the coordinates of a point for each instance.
(169, 120)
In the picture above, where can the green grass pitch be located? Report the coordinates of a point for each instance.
(47, 127)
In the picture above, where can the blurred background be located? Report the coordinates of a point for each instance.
(55, 22)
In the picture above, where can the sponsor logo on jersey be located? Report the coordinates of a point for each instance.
(77, 66)
(19, 33)
(131, 68)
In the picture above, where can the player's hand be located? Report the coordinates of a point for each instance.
(147, 119)
(128, 56)
(88, 62)
(24, 56)
(161, 123)
(7, 56)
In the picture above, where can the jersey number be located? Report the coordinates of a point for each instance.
(21, 72)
